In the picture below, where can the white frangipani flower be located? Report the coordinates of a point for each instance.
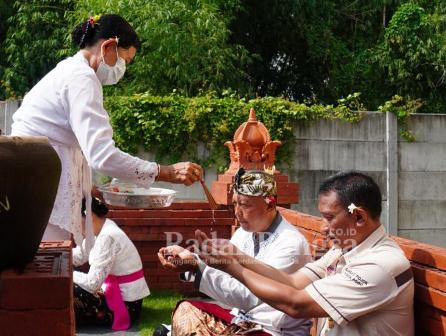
(352, 207)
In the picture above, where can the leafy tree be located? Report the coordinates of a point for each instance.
(184, 45)
(360, 29)
(35, 41)
(272, 32)
(5, 12)
(307, 49)
(413, 54)
(314, 50)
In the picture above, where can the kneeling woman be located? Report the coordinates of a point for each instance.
(111, 293)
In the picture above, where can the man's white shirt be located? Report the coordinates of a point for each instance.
(284, 248)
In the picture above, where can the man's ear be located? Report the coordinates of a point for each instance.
(271, 206)
(361, 217)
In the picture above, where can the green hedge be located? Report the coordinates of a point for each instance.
(172, 126)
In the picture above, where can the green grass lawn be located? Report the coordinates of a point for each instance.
(157, 309)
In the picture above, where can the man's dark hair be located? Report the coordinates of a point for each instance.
(354, 187)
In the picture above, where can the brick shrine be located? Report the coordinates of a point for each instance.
(253, 149)
(39, 301)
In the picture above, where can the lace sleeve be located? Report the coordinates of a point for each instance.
(80, 256)
(101, 261)
(91, 125)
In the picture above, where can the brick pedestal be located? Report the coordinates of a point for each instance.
(150, 230)
(253, 149)
(39, 301)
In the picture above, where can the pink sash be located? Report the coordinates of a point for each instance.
(113, 297)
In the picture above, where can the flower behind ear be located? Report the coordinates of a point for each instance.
(270, 200)
(352, 207)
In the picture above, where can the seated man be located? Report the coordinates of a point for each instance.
(263, 235)
(362, 286)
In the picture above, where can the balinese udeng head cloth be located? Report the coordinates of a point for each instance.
(255, 183)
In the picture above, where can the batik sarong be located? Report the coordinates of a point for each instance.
(200, 318)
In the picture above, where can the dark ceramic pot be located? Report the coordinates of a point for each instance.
(29, 176)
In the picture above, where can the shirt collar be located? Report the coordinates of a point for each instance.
(367, 243)
(275, 224)
(107, 223)
(257, 239)
(81, 56)
(271, 229)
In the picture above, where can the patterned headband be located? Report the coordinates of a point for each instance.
(254, 183)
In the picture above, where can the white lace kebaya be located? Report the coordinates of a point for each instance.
(112, 253)
(67, 107)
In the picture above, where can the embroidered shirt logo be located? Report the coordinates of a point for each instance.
(356, 278)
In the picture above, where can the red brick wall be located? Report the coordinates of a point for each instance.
(39, 301)
(147, 229)
(428, 265)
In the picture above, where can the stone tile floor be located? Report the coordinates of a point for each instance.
(93, 331)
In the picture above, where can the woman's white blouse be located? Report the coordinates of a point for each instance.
(67, 106)
(112, 253)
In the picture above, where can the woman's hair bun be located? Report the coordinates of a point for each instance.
(106, 26)
(83, 34)
(99, 208)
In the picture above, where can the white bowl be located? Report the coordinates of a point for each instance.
(139, 198)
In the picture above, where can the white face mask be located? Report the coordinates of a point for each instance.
(111, 74)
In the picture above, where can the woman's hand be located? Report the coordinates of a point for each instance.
(217, 253)
(181, 172)
(177, 259)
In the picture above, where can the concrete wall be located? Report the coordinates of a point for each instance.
(422, 181)
(328, 146)
(7, 109)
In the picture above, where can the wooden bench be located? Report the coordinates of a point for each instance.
(428, 265)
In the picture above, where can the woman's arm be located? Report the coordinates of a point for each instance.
(80, 256)
(101, 261)
(91, 126)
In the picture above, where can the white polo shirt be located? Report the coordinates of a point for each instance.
(366, 291)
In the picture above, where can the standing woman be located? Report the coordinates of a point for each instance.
(67, 106)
